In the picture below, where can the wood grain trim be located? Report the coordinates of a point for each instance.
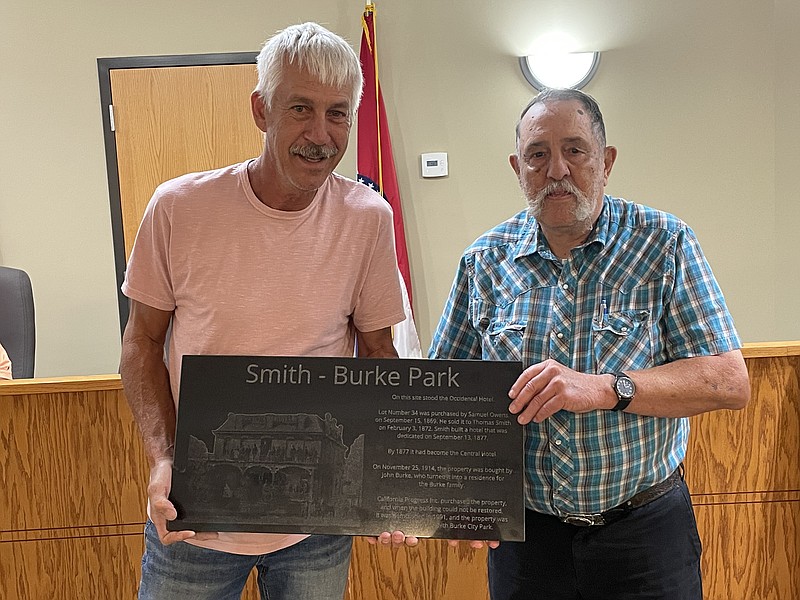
(45, 385)
(764, 497)
(769, 349)
(58, 385)
(112, 382)
(68, 533)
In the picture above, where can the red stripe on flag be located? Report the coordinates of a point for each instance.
(375, 145)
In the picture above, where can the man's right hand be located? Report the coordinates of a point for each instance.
(162, 510)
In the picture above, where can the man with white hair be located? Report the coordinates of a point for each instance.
(274, 256)
(624, 333)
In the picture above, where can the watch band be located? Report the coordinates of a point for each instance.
(621, 404)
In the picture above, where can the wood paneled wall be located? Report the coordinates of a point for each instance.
(74, 478)
(743, 469)
(74, 475)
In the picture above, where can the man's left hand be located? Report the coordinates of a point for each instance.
(547, 387)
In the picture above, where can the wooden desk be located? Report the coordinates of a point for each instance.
(74, 474)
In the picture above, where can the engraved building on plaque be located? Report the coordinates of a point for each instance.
(276, 467)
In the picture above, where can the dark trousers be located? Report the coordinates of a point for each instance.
(652, 552)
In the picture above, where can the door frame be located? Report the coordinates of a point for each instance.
(104, 68)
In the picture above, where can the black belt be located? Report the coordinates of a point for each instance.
(616, 513)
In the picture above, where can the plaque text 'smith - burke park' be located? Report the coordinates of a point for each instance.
(348, 446)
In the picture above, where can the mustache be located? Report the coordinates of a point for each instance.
(555, 187)
(583, 207)
(313, 151)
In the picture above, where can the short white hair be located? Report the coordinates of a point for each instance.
(314, 49)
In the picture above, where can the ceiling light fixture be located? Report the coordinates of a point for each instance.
(553, 65)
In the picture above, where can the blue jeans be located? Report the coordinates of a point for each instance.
(652, 553)
(313, 569)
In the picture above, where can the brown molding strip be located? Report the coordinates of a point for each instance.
(65, 533)
(58, 385)
(746, 497)
(770, 349)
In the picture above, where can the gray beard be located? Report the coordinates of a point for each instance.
(584, 207)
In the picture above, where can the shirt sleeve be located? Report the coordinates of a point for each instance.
(380, 300)
(455, 338)
(5, 364)
(697, 320)
(147, 277)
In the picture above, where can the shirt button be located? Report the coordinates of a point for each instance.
(560, 335)
(565, 286)
(558, 442)
(623, 329)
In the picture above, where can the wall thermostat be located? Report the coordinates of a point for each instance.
(434, 164)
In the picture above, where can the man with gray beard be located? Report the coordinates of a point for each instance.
(624, 333)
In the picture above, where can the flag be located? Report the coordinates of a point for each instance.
(404, 335)
(376, 170)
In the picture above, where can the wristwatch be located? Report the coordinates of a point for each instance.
(625, 390)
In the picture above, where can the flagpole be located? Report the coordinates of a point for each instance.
(370, 9)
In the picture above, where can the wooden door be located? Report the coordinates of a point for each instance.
(174, 120)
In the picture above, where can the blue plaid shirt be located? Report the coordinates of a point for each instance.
(637, 294)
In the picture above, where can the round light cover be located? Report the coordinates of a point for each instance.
(554, 69)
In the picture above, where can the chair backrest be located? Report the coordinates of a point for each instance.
(17, 321)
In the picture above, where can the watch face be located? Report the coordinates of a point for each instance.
(625, 387)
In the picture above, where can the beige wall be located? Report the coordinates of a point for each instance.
(696, 98)
(787, 167)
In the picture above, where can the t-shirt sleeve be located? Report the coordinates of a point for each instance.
(5, 364)
(380, 301)
(147, 277)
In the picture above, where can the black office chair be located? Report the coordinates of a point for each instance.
(17, 321)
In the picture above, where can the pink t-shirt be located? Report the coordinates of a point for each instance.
(243, 278)
(5, 364)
